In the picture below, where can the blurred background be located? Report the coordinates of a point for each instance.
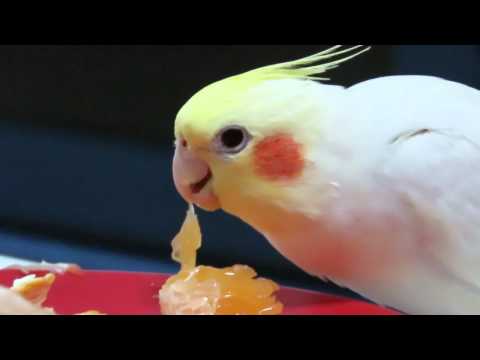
(86, 142)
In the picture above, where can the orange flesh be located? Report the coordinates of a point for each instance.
(233, 290)
(34, 289)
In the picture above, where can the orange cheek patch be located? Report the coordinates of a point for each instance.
(278, 157)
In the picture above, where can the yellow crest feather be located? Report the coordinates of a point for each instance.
(304, 68)
(216, 99)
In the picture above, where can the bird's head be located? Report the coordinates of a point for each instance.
(248, 138)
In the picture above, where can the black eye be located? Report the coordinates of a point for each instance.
(232, 140)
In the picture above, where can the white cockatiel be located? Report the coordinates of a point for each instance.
(375, 187)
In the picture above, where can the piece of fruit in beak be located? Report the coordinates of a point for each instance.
(193, 178)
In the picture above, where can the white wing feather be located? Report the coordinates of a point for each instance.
(428, 145)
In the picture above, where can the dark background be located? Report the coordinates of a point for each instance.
(86, 137)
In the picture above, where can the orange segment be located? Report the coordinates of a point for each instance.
(34, 289)
(205, 290)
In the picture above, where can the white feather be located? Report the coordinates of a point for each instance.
(418, 140)
(396, 211)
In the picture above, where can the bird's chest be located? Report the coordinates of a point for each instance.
(345, 243)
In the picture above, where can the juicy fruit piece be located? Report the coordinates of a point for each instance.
(34, 289)
(206, 290)
(27, 295)
(210, 291)
(182, 294)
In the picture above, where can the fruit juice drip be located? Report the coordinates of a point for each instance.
(205, 290)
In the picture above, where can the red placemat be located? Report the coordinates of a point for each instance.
(129, 293)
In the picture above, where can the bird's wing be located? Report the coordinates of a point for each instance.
(424, 134)
(438, 172)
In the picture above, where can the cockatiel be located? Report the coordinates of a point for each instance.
(375, 187)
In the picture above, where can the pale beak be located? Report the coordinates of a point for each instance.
(193, 178)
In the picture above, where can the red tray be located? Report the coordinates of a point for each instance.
(128, 293)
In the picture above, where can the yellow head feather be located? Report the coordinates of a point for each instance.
(220, 97)
(254, 99)
(304, 68)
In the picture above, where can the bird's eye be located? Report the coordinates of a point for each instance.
(232, 140)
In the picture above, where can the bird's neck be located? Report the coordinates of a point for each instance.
(354, 236)
(309, 242)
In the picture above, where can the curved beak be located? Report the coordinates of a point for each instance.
(193, 178)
